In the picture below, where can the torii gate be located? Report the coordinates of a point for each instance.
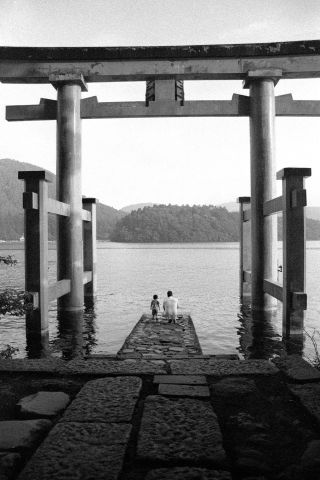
(164, 69)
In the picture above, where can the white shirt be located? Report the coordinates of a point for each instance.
(170, 305)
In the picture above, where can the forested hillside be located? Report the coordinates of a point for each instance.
(171, 223)
(159, 223)
(11, 211)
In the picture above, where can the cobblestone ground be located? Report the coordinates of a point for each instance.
(151, 339)
(223, 419)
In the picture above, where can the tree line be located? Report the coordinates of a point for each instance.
(173, 223)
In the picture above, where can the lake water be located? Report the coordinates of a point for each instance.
(204, 276)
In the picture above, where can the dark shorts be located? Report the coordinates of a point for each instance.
(154, 311)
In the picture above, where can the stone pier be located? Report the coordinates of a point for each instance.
(152, 339)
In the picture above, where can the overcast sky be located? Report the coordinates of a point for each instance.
(178, 161)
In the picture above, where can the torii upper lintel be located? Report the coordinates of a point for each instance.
(193, 62)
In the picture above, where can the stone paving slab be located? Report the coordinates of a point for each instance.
(18, 434)
(180, 429)
(309, 395)
(187, 473)
(222, 368)
(43, 404)
(76, 451)
(116, 367)
(184, 390)
(181, 379)
(38, 365)
(296, 368)
(105, 400)
(233, 387)
(86, 367)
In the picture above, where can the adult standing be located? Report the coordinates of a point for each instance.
(170, 307)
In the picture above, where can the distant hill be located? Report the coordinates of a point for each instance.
(11, 211)
(172, 223)
(135, 206)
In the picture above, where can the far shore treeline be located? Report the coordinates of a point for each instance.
(156, 223)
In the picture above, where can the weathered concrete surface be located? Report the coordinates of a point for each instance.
(50, 365)
(117, 367)
(183, 429)
(79, 450)
(187, 473)
(222, 368)
(93, 366)
(309, 396)
(160, 338)
(43, 404)
(296, 368)
(18, 434)
(181, 379)
(183, 390)
(105, 400)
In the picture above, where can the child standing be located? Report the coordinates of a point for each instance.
(155, 307)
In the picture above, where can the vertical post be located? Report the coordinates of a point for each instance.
(294, 249)
(245, 250)
(35, 203)
(90, 248)
(69, 239)
(263, 187)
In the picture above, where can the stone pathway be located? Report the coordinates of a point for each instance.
(154, 339)
(191, 419)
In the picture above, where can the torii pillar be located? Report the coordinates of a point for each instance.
(70, 237)
(263, 184)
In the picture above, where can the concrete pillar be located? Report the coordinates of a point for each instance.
(263, 185)
(294, 250)
(90, 249)
(245, 251)
(69, 239)
(35, 203)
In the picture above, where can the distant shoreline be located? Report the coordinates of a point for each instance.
(19, 246)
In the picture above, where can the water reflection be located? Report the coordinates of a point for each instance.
(76, 335)
(76, 332)
(89, 334)
(258, 337)
(70, 334)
